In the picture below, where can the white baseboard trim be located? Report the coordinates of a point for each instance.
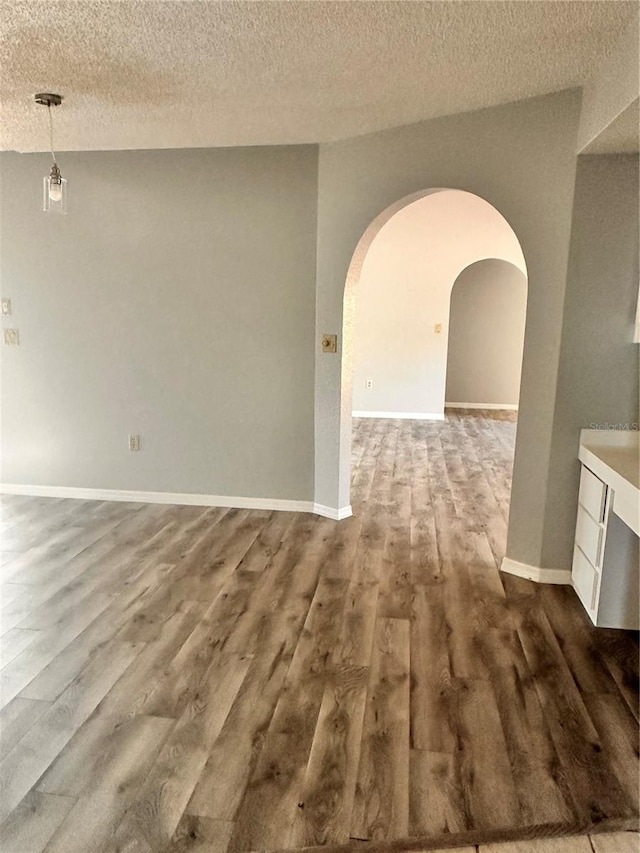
(535, 573)
(413, 416)
(330, 512)
(508, 407)
(180, 498)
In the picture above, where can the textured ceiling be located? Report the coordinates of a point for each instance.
(622, 136)
(162, 74)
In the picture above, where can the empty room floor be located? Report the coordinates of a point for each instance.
(201, 679)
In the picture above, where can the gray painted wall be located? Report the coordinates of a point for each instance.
(486, 334)
(598, 372)
(176, 300)
(521, 159)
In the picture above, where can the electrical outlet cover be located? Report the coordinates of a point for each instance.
(5, 307)
(11, 337)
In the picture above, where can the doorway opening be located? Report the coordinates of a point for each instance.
(398, 298)
(486, 336)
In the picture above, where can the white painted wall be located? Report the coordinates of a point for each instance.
(405, 290)
(486, 334)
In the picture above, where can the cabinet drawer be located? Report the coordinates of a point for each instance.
(585, 581)
(592, 494)
(589, 536)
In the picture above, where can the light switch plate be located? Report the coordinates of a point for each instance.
(11, 337)
(5, 307)
(329, 343)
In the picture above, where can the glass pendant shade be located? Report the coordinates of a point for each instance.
(55, 192)
(55, 187)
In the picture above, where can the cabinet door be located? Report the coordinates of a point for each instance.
(592, 494)
(589, 536)
(585, 581)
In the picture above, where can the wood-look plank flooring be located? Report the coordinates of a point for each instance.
(199, 679)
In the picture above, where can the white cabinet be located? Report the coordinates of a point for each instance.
(606, 568)
(584, 576)
(590, 535)
(592, 494)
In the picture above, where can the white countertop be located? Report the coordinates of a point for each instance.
(614, 457)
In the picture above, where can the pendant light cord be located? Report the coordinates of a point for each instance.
(51, 132)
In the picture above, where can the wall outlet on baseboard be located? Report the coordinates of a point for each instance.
(369, 384)
(134, 442)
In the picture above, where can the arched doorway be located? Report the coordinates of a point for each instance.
(486, 336)
(470, 244)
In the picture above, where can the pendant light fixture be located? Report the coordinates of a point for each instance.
(55, 186)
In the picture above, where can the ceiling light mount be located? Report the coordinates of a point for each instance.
(47, 99)
(55, 186)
